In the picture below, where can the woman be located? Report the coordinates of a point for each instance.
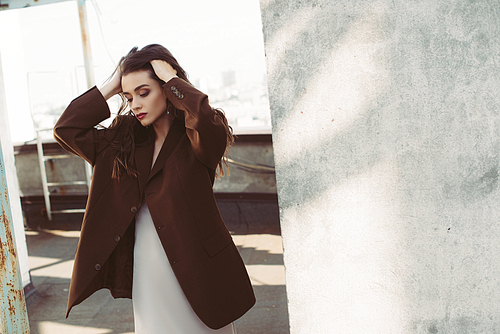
(152, 230)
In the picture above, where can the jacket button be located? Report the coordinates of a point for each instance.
(97, 266)
(133, 209)
(116, 238)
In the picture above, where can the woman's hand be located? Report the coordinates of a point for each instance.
(163, 70)
(113, 86)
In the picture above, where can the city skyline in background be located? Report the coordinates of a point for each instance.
(219, 44)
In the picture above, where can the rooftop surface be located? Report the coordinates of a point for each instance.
(51, 255)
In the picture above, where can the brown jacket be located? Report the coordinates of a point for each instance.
(178, 191)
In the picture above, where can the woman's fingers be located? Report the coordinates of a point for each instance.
(163, 69)
(117, 81)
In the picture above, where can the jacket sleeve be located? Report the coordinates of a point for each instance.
(204, 128)
(75, 130)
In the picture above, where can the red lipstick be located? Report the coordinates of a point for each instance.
(140, 115)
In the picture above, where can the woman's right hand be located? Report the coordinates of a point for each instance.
(113, 86)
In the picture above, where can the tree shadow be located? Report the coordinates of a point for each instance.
(373, 176)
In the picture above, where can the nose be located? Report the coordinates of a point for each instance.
(134, 105)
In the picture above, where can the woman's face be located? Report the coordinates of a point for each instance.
(145, 97)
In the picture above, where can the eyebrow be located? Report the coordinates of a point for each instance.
(136, 88)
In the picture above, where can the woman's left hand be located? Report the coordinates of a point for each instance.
(163, 70)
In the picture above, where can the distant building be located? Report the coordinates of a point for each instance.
(228, 78)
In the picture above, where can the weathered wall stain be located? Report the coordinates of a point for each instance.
(433, 329)
(459, 325)
(474, 188)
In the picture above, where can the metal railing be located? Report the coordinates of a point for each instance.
(46, 185)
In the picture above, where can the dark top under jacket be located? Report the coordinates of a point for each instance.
(178, 192)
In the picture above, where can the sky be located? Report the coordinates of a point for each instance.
(42, 57)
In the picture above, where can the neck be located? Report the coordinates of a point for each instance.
(162, 126)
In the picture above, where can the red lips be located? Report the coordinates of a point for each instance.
(140, 115)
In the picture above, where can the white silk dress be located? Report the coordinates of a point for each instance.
(160, 306)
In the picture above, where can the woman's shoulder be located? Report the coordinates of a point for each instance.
(122, 122)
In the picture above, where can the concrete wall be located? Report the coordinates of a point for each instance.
(386, 143)
(253, 152)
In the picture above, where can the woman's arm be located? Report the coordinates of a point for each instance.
(204, 128)
(75, 130)
(113, 86)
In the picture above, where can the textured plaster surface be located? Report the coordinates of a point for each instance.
(386, 145)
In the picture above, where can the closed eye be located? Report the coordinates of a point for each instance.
(146, 93)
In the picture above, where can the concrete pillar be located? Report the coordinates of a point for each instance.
(14, 266)
(13, 313)
(386, 140)
(12, 184)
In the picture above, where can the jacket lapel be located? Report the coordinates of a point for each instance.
(143, 160)
(173, 137)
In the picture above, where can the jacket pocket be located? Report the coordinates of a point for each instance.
(217, 242)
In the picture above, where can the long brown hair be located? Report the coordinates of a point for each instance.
(139, 60)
